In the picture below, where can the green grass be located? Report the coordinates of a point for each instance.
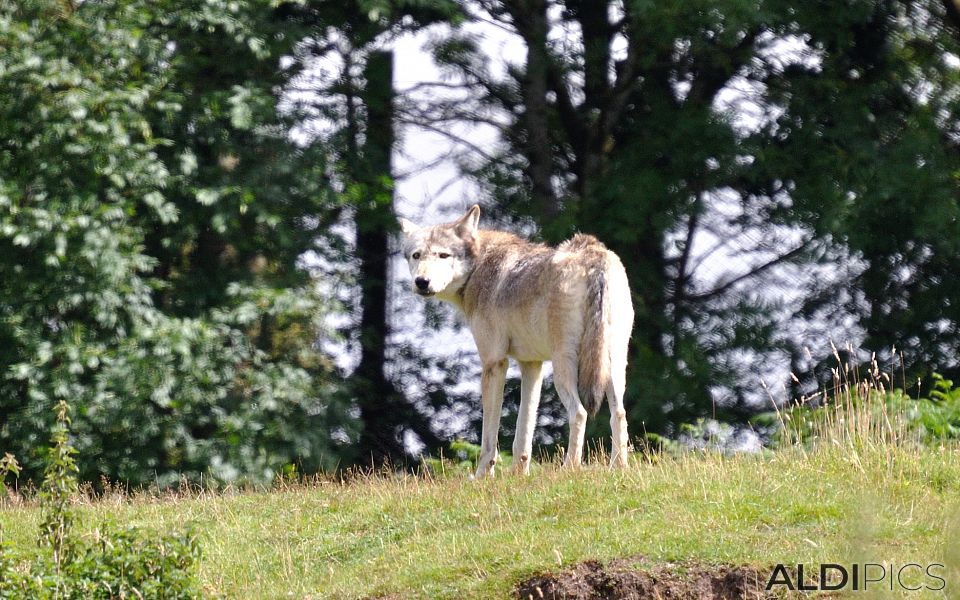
(446, 538)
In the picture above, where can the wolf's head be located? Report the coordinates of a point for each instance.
(440, 257)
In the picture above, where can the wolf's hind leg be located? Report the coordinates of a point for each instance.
(531, 378)
(565, 380)
(492, 380)
(618, 419)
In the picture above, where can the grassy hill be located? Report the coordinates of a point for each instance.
(406, 537)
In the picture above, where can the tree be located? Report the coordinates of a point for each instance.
(629, 144)
(628, 121)
(360, 104)
(880, 110)
(147, 279)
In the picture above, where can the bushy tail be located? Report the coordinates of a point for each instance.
(594, 354)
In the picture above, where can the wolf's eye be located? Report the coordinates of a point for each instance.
(415, 256)
(443, 255)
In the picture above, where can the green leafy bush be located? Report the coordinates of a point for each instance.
(936, 418)
(128, 563)
(154, 288)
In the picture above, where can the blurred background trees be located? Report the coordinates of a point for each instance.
(197, 203)
(726, 152)
(153, 214)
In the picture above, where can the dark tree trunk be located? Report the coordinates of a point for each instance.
(375, 394)
(531, 20)
(385, 412)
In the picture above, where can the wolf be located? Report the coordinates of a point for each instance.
(531, 302)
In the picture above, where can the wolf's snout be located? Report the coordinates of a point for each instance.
(422, 283)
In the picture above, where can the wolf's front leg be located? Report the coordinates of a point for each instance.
(491, 392)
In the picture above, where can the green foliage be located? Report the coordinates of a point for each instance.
(8, 466)
(935, 419)
(461, 460)
(114, 564)
(943, 391)
(153, 210)
(866, 140)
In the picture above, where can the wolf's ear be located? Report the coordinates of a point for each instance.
(407, 226)
(470, 222)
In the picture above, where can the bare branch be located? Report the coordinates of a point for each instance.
(451, 136)
(751, 273)
(431, 85)
(498, 18)
(447, 113)
(692, 224)
(422, 167)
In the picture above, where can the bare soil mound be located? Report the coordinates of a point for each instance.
(635, 579)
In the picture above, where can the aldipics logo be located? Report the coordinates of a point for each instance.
(859, 577)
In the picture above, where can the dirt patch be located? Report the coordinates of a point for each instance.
(636, 579)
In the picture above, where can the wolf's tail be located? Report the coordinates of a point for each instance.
(593, 375)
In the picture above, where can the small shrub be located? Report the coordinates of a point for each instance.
(129, 563)
(8, 466)
(59, 484)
